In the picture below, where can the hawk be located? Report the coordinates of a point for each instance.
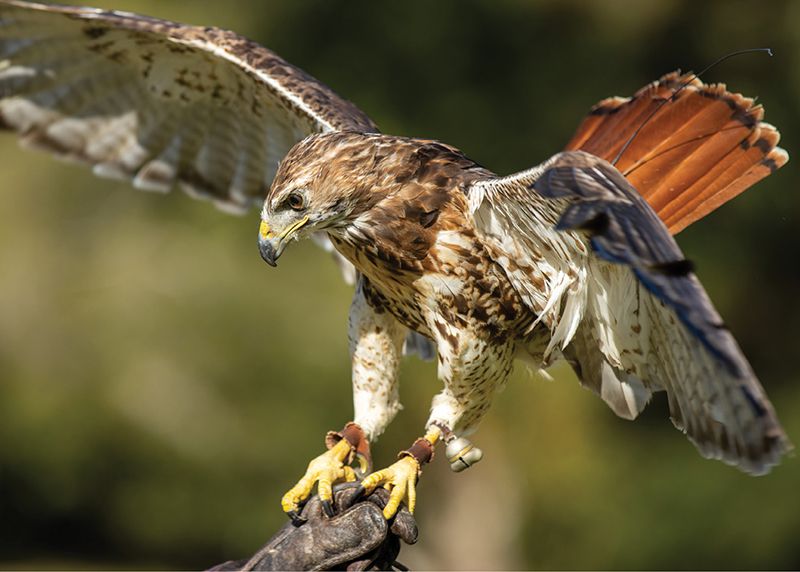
(569, 260)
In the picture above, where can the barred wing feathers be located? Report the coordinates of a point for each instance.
(164, 104)
(158, 102)
(625, 307)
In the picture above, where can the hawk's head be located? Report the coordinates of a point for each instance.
(324, 182)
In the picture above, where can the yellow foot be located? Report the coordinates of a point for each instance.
(400, 479)
(325, 470)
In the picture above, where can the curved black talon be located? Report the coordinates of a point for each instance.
(296, 519)
(359, 494)
(327, 507)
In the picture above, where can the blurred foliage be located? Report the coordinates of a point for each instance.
(161, 386)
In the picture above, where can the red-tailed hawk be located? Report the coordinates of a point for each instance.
(572, 259)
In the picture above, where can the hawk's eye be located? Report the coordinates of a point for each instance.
(296, 201)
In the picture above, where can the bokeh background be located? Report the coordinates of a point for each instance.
(160, 386)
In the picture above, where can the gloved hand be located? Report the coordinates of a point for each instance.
(357, 538)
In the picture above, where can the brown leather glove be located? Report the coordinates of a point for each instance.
(357, 538)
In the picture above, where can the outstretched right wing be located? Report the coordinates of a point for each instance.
(623, 305)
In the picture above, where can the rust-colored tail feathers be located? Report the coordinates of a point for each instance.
(695, 153)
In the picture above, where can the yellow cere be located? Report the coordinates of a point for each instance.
(264, 230)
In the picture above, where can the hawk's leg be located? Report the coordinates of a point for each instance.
(376, 348)
(400, 478)
(327, 469)
(472, 368)
(376, 342)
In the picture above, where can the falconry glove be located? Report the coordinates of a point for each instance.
(357, 538)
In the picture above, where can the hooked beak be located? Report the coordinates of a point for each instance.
(270, 249)
(272, 245)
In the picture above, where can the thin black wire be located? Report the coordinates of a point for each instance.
(677, 91)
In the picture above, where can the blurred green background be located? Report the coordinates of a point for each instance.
(161, 386)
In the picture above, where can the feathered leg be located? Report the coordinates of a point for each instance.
(472, 369)
(376, 342)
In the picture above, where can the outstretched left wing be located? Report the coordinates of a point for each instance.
(624, 305)
(163, 104)
(157, 102)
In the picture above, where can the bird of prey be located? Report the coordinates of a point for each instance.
(570, 260)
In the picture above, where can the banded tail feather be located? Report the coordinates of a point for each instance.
(697, 151)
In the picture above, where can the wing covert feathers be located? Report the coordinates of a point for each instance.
(622, 304)
(696, 152)
(156, 102)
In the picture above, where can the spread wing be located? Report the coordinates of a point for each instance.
(163, 104)
(158, 102)
(624, 305)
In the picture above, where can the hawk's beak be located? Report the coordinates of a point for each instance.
(271, 249)
(271, 245)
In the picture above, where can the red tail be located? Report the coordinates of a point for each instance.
(694, 154)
